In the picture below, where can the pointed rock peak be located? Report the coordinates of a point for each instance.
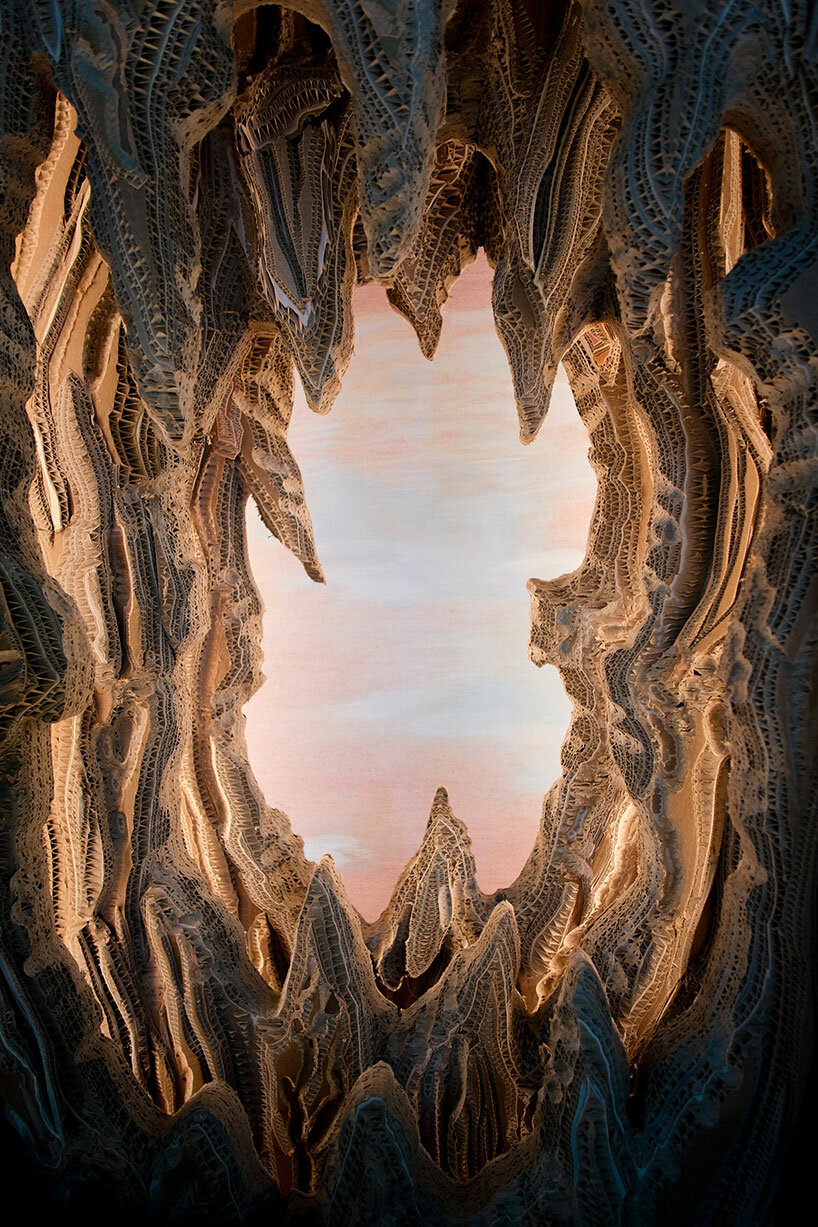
(581, 981)
(443, 824)
(327, 905)
(329, 938)
(493, 958)
(497, 947)
(441, 804)
(500, 926)
(378, 1151)
(437, 905)
(445, 839)
(584, 1041)
(326, 884)
(446, 843)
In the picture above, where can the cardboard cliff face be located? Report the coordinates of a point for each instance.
(190, 195)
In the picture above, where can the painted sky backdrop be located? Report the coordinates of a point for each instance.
(409, 668)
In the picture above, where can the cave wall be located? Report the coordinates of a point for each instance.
(193, 1017)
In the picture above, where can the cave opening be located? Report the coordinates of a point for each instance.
(195, 1017)
(409, 668)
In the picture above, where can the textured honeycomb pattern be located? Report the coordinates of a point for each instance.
(192, 1014)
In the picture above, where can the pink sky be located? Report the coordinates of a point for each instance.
(409, 668)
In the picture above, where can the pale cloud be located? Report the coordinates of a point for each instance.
(345, 850)
(492, 709)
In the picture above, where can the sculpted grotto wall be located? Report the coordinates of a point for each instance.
(192, 1015)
